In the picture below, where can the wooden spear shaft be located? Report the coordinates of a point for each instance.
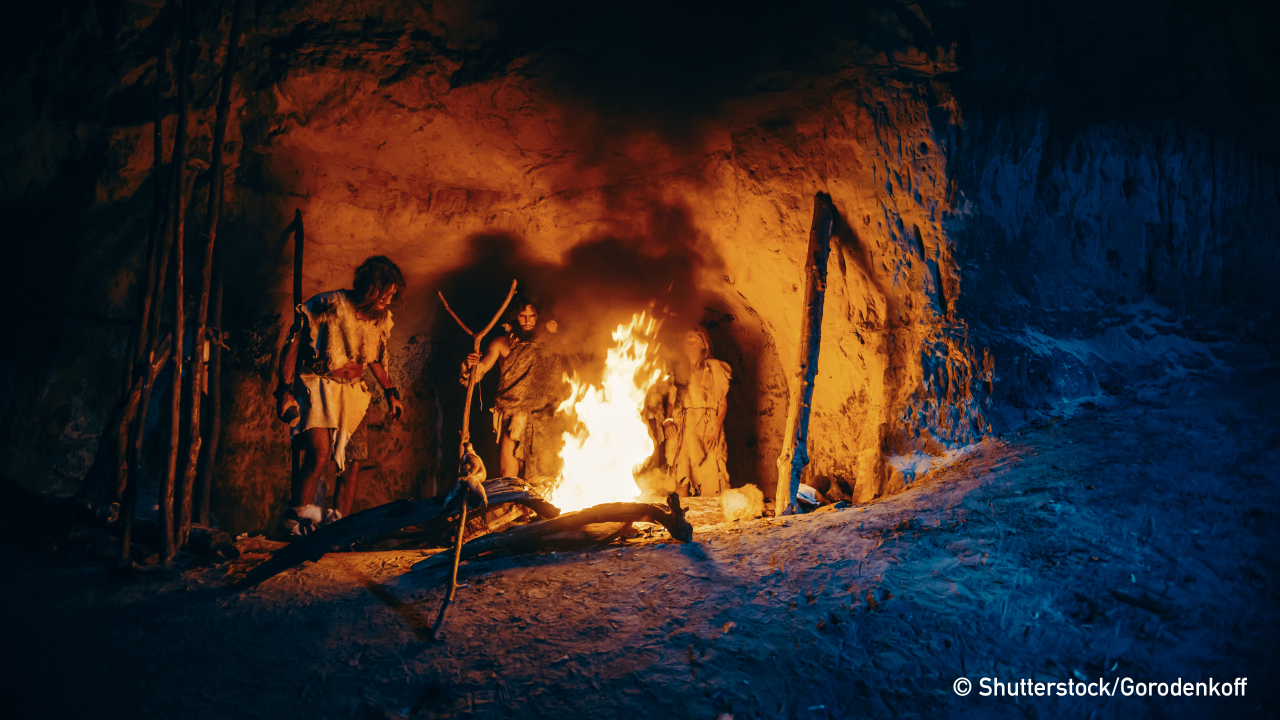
(477, 338)
(471, 379)
(295, 455)
(153, 304)
(179, 217)
(198, 339)
(215, 395)
(795, 454)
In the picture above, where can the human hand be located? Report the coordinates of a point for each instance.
(711, 442)
(472, 360)
(669, 430)
(287, 408)
(396, 409)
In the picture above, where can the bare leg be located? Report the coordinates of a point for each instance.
(315, 459)
(347, 488)
(508, 464)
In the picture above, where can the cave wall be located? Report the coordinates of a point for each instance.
(999, 249)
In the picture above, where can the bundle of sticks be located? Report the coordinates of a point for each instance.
(186, 479)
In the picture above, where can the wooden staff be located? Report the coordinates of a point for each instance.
(198, 338)
(795, 453)
(295, 454)
(462, 449)
(179, 217)
(471, 379)
(153, 302)
(215, 394)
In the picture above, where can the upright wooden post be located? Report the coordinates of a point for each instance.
(795, 451)
(179, 220)
(198, 339)
(215, 395)
(295, 454)
(152, 309)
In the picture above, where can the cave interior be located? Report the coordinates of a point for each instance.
(988, 278)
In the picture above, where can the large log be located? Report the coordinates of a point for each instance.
(795, 451)
(535, 536)
(383, 519)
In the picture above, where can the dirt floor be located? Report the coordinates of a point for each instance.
(1133, 539)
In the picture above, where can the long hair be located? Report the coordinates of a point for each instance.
(706, 341)
(373, 277)
(510, 318)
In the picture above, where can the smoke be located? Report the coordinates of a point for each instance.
(597, 285)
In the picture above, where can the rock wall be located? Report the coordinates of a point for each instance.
(992, 258)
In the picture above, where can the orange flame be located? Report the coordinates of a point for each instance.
(608, 439)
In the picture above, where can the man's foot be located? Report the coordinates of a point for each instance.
(302, 521)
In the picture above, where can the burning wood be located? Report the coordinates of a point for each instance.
(543, 534)
(609, 439)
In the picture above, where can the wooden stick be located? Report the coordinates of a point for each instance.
(179, 221)
(151, 304)
(438, 628)
(295, 454)
(189, 489)
(795, 453)
(477, 338)
(465, 329)
(532, 537)
(380, 520)
(215, 395)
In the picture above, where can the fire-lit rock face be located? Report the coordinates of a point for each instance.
(471, 152)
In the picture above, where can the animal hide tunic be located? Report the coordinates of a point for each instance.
(531, 379)
(337, 336)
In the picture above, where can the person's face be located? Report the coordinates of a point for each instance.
(693, 347)
(383, 301)
(528, 318)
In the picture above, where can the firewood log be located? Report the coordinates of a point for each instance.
(383, 519)
(544, 534)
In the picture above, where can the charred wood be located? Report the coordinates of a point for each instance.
(381, 520)
(543, 534)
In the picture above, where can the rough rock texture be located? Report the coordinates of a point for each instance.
(1023, 217)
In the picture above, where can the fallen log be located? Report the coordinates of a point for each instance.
(540, 535)
(383, 519)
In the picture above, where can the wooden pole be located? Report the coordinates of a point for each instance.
(179, 217)
(471, 379)
(295, 454)
(198, 337)
(477, 338)
(153, 304)
(795, 452)
(215, 394)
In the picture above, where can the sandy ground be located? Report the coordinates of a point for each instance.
(1135, 539)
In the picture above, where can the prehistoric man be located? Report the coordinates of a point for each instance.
(698, 402)
(530, 380)
(334, 337)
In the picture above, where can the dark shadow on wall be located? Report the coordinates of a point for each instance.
(757, 399)
(852, 255)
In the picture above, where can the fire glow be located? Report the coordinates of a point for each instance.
(608, 439)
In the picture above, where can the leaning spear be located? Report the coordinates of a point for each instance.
(469, 463)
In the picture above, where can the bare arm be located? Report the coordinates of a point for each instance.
(286, 404)
(379, 372)
(499, 348)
